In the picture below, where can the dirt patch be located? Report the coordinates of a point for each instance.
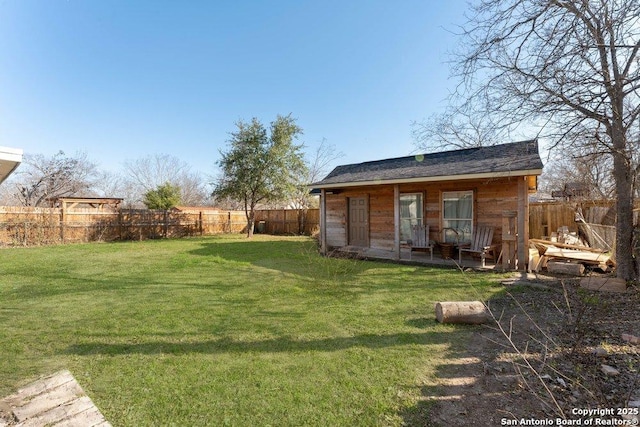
(555, 349)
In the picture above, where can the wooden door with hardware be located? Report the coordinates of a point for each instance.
(359, 222)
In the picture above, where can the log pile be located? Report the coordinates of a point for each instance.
(567, 258)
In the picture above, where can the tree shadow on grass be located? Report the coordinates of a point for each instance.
(274, 345)
(297, 257)
(332, 275)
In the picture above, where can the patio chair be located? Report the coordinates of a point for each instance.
(420, 240)
(480, 244)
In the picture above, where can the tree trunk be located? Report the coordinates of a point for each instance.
(302, 220)
(251, 220)
(250, 213)
(623, 176)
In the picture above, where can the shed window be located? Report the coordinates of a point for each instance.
(411, 213)
(457, 214)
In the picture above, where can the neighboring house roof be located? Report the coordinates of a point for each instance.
(513, 159)
(10, 159)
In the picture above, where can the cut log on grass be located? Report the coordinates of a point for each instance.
(469, 312)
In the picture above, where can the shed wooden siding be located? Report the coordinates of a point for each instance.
(491, 198)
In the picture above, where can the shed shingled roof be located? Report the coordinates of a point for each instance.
(499, 160)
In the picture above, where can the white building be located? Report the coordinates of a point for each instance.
(10, 159)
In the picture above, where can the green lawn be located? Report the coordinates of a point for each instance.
(227, 331)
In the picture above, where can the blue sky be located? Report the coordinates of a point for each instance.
(121, 79)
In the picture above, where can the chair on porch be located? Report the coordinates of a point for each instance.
(480, 244)
(420, 240)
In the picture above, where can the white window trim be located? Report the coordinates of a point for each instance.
(420, 220)
(458, 193)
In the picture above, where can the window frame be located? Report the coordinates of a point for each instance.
(412, 221)
(460, 235)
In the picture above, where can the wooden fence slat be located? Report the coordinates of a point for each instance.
(24, 226)
(29, 226)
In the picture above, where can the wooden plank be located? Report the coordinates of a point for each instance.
(534, 259)
(60, 413)
(566, 246)
(48, 400)
(88, 418)
(583, 256)
(396, 221)
(56, 400)
(522, 225)
(25, 394)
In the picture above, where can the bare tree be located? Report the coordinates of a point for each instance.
(147, 173)
(321, 160)
(109, 184)
(592, 172)
(318, 163)
(570, 67)
(460, 126)
(228, 203)
(41, 178)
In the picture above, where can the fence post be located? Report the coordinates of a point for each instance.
(302, 221)
(165, 230)
(120, 224)
(62, 221)
(285, 229)
(509, 243)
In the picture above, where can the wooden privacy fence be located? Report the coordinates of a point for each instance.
(27, 226)
(547, 217)
(288, 221)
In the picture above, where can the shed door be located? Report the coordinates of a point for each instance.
(358, 221)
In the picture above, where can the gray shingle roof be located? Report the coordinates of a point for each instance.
(498, 160)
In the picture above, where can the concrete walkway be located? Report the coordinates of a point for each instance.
(57, 400)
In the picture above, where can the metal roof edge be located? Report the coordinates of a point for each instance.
(12, 157)
(11, 154)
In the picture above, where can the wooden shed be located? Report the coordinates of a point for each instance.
(375, 204)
